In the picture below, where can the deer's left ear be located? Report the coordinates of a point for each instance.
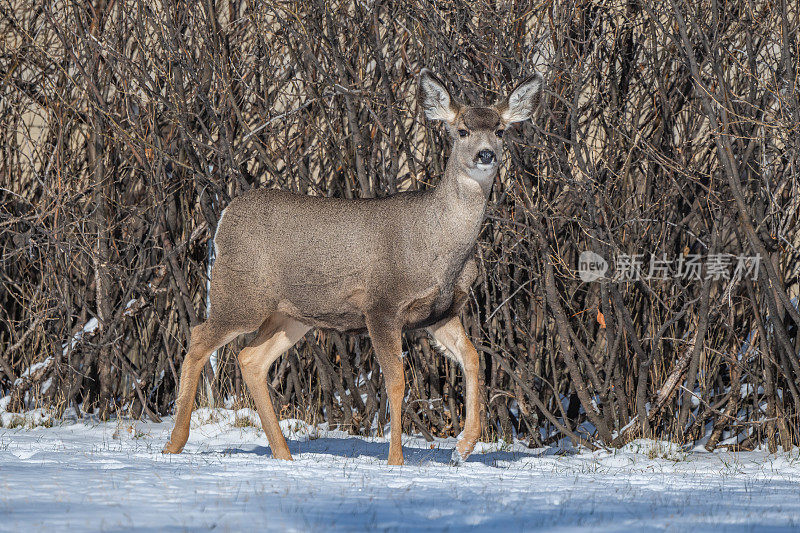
(522, 101)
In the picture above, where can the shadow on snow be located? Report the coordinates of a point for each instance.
(354, 447)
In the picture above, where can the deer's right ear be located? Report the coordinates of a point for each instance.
(435, 99)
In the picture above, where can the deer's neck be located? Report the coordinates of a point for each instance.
(457, 183)
(460, 206)
(462, 193)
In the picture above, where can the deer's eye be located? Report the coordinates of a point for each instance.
(499, 133)
(463, 133)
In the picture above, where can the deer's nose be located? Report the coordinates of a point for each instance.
(486, 157)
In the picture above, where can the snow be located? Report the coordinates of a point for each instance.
(90, 327)
(32, 370)
(90, 475)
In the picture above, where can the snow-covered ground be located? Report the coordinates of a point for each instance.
(84, 475)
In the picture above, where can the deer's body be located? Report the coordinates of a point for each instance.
(351, 259)
(286, 263)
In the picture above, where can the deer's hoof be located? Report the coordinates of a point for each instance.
(456, 459)
(283, 456)
(171, 448)
(396, 460)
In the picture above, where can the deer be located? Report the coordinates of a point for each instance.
(287, 263)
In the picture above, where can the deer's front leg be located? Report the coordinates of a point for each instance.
(388, 343)
(453, 340)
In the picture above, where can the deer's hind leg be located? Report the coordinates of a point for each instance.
(452, 339)
(206, 338)
(277, 334)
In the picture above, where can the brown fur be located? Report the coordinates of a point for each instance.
(287, 263)
(481, 118)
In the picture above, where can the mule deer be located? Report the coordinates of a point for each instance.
(287, 263)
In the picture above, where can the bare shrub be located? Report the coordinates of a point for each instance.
(667, 131)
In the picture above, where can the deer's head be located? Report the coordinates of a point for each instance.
(477, 131)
